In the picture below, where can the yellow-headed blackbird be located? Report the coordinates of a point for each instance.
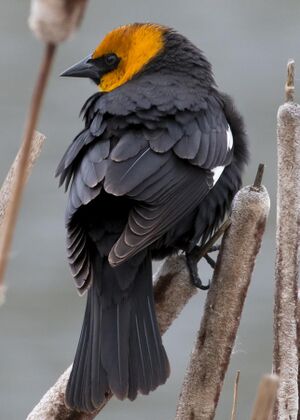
(153, 172)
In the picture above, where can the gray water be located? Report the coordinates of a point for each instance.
(249, 44)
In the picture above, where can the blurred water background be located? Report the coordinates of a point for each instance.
(248, 44)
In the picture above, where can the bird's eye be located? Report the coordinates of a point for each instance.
(111, 59)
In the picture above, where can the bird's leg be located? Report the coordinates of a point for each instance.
(192, 262)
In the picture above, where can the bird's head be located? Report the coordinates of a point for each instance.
(121, 55)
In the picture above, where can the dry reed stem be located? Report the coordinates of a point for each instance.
(7, 186)
(265, 399)
(235, 396)
(285, 353)
(12, 213)
(298, 346)
(210, 357)
(9, 182)
(290, 81)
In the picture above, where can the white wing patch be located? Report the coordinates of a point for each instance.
(229, 139)
(217, 172)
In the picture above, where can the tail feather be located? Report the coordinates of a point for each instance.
(98, 379)
(146, 349)
(88, 374)
(120, 347)
(114, 349)
(75, 398)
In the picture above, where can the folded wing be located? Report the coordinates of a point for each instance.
(167, 166)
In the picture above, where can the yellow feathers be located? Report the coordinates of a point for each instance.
(135, 45)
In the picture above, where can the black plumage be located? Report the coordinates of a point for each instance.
(153, 172)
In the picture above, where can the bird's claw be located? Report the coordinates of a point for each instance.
(193, 269)
(198, 283)
(195, 279)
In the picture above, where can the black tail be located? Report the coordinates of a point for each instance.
(120, 347)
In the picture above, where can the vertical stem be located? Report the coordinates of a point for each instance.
(9, 182)
(290, 82)
(235, 396)
(265, 399)
(285, 353)
(30, 125)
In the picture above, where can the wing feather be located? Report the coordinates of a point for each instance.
(165, 164)
(147, 222)
(167, 188)
(123, 177)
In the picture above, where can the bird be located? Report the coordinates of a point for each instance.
(153, 173)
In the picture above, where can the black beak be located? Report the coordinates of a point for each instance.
(85, 68)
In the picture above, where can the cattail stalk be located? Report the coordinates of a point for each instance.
(54, 21)
(18, 188)
(285, 353)
(210, 357)
(7, 186)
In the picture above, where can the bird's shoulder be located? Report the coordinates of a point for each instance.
(166, 92)
(161, 113)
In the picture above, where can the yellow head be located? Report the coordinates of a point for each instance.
(122, 54)
(135, 45)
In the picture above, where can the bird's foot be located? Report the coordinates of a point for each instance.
(192, 262)
(193, 269)
(193, 256)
